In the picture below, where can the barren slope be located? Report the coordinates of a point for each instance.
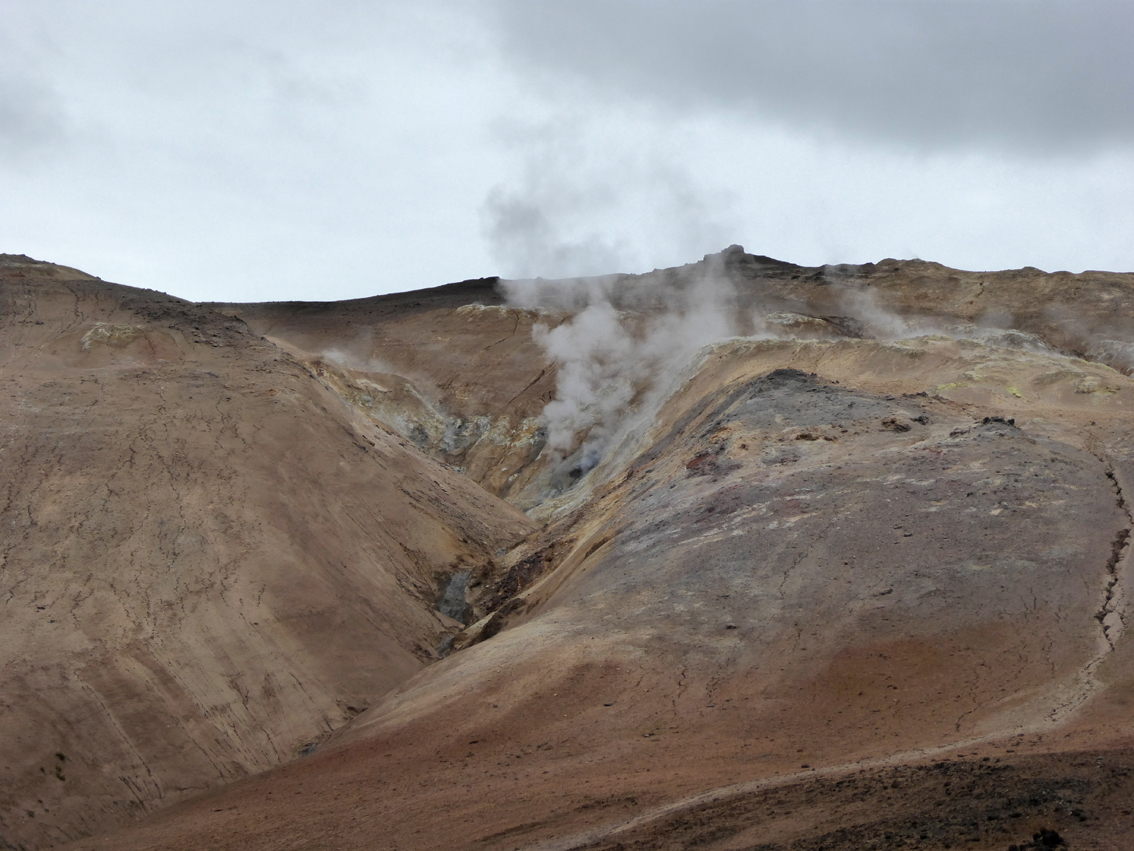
(455, 369)
(841, 592)
(208, 561)
(452, 369)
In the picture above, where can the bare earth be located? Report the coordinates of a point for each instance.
(837, 587)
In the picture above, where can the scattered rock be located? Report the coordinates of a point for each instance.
(895, 424)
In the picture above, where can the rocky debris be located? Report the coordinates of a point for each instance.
(1043, 838)
(951, 804)
(896, 424)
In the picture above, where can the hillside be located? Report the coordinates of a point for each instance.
(210, 561)
(808, 558)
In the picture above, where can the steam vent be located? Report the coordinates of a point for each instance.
(736, 555)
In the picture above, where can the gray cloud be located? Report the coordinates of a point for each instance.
(298, 149)
(31, 118)
(1041, 76)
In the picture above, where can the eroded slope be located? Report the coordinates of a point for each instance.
(453, 369)
(819, 558)
(207, 560)
(466, 371)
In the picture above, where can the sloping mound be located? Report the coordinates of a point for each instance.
(790, 584)
(827, 558)
(209, 561)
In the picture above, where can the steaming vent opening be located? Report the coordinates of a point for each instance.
(621, 342)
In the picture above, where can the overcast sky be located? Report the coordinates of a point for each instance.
(247, 151)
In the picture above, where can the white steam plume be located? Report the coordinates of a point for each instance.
(879, 321)
(609, 359)
(621, 341)
(585, 198)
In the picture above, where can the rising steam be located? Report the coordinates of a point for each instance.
(621, 336)
(621, 342)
